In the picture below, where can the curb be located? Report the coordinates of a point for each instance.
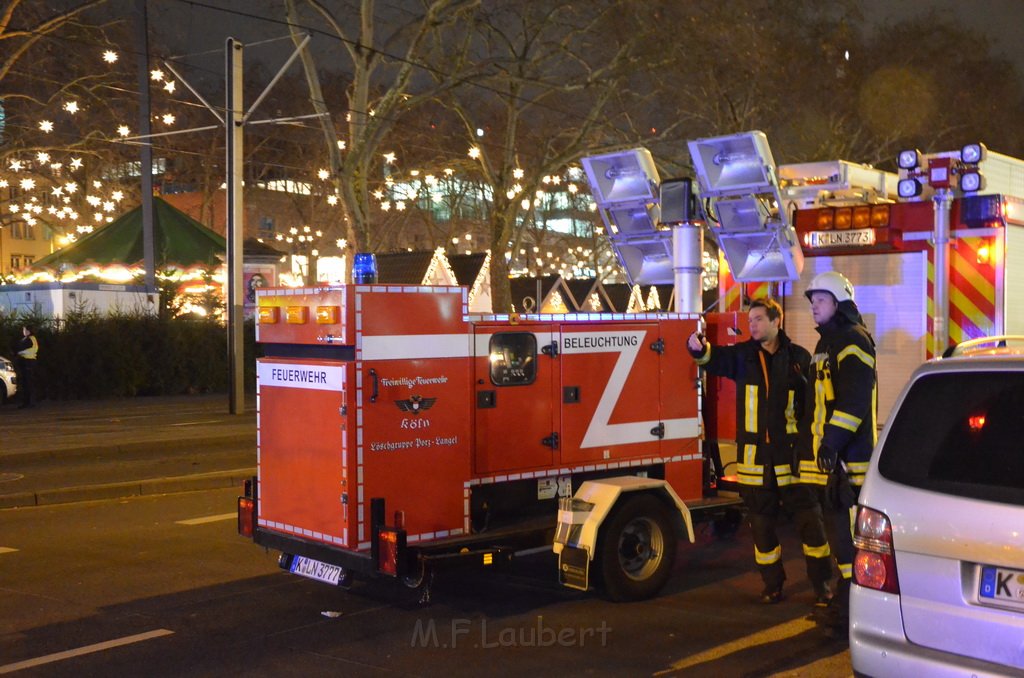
(211, 443)
(133, 488)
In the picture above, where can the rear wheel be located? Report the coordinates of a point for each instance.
(637, 549)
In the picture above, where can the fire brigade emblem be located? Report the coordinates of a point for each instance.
(415, 404)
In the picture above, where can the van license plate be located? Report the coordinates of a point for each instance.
(1003, 586)
(314, 569)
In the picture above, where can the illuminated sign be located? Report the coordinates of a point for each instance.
(864, 237)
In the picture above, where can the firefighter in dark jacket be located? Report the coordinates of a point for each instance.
(770, 372)
(839, 429)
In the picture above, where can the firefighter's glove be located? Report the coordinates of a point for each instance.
(839, 493)
(828, 458)
(696, 344)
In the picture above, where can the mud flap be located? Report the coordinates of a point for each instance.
(574, 568)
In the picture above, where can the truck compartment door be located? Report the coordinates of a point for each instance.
(515, 417)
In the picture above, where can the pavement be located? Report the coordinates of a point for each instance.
(67, 451)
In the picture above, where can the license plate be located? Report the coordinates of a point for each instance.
(864, 237)
(1002, 586)
(314, 569)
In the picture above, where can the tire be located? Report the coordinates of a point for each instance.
(637, 549)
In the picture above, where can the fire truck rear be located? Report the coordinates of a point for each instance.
(397, 433)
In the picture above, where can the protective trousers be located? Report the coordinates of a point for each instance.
(764, 506)
(839, 523)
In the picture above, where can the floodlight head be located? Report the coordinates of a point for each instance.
(748, 214)
(769, 256)
(972, 182)
(733, 164)
(908, 159)
(646, 261)
(630, 220)
(973, 153)
(622, 177)
(909, 188)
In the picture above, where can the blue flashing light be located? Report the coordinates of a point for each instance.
(979, 211)
(364, 268)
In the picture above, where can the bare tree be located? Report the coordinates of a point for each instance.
(553, 67)
(387, 80)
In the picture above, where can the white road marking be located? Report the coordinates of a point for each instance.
(193, 423)
(207, 519)
(7, 549)
(88, 649)
(770, 635)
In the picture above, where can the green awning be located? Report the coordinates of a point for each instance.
(179, 241)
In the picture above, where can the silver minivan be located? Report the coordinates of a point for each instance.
(8, 380)
(939, 568)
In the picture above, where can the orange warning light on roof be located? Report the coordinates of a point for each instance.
(327, 315)
(297, 315)
(268, 315)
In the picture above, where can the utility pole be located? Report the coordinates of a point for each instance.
(234, 127)
(234, 123)
(146, 150)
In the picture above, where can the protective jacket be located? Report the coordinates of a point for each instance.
(769, 403)
(842, 402)
(28, 347)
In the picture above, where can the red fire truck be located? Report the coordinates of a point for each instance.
(935, 253)
(398, 433)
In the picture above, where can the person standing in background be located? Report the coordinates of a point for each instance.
(27, 352)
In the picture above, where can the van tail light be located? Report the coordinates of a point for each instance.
(246, 510)
(874, 565)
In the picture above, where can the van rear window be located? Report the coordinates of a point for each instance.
(962, 434)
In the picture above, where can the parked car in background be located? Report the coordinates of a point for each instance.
(8, 381)
(939, 569)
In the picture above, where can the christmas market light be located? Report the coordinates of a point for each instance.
(71, 107)
(123, 130)
(46, 126)
(168, 119)
(110, 56)
(474, 152)
(156, 75)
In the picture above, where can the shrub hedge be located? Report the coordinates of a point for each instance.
(88, 356)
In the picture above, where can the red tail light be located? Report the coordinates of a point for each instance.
(874, 565)
(388, 548)
(246, 509)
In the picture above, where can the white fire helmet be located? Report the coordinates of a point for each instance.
(832, 282)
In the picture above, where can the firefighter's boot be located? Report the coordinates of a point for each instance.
(834, 618)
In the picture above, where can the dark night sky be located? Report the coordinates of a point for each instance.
(1001, 20)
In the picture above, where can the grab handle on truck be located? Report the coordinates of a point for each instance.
(374, 393)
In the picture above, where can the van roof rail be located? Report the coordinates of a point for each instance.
(986, 344)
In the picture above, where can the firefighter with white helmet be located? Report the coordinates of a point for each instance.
(839, 429)
(770, 372)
